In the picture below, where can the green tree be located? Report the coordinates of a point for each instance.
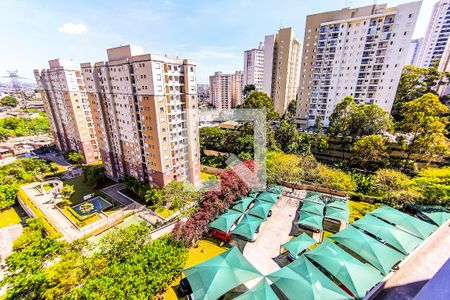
(9, 101)
(283, 167)
(434, 185)
(176, 194)
(291, 110)
(75, 157)
(414, 82)
(260, 100)
(153, 197)
(370, 149)
(290, 140)
(424, 124)
(7, 195)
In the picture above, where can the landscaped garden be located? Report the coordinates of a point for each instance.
(12, 215)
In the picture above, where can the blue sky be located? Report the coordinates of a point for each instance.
(214, 33)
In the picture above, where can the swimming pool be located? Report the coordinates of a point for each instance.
(91, 206)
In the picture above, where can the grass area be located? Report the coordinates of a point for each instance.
(165, 212)
(205, 250)
(82, 188)
(10, 216)
(359, 209)
(207, 176)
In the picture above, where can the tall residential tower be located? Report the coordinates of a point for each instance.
(67, 107)
(144, 108)
(226, 89)
(357, 52)
(254, 67)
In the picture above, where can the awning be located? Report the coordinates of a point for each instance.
(310, 220)
(338, 203)
(299, 244)
(313, 207)
(247, 227)
(225, 221)
(243, 204)
(397, 238)
(260, 209)
(253, 195)
(212, 278)
(314, 197)
(378, 254)
(302, 280)
(267, 196)
(276, 189)
(438, 214)
(337, 214)
(261, 291)
(357, 277)
(404, 221)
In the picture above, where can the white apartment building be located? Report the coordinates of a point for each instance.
(413, 54)
(357, 52)
(226, 89)
(437, 36)
(282, 54)
(145, 109)
(67, 107)
(254, 67)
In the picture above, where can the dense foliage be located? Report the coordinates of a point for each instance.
(16, 127)
(8, 101)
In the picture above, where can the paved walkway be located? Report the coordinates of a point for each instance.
(113, 191)
(7, 237)
(410, 278)
(272, 233)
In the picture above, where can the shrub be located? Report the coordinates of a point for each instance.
(387, 181)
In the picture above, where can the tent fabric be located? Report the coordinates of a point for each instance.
(397, 238)
(337, 214)
(247, 227)
(437, 214)
(216, 276)
(357, 277)
(313, 207)
(310, 220)
(302, 280)
(404, 221)
(376, 253)
(299, 244)
(242, 204)
(253, 195)
(276, 189)
(225, 221)
(267, 196)
(314, 197)
(339, 203)
(260, 209)
(261, 291)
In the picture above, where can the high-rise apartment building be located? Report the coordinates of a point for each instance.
(282, 52)
(254, 67)
(144, 108)
(414, 49)
(66, 104)
(436, 37)
(226, 89)
(357, 52)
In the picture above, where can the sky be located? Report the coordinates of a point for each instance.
(212, 32)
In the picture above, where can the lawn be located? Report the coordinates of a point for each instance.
(165, 212)
(359, 209)
(82, 188)
(207, 176)
(11, 216)
(205, 250)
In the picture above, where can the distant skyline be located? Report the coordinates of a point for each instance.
(213, 33)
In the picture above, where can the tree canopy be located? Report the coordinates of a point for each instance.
(9, 101)
(17, 127)
(260, 100)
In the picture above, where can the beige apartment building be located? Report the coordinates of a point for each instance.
(357, 52)
(254, 67)
(226, 89)
(282, 53)
(65, 101)
(145, 109)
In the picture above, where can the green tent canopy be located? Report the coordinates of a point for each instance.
(299, 244)
(260, 209)
(313, 207)
(359, 278)
(337, 214)
(437, 214)
(253, 195)
(314, 197)
(247, 227)
(225, 221)
(338, 203)
(276, 189)
(378, 254)
(212, 278)
(397, 238)
(261, 291)
(267, 196)
(404, 221)
(302, 280)
(242, 204)
(310, 220)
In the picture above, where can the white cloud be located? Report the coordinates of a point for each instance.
(72, 28)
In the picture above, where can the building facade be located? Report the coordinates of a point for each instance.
(144, 108)
(436, 37)
(66, 104)
(226, 89)
(254, 67)
(357, 52)
(282, 53)
(413, 54)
